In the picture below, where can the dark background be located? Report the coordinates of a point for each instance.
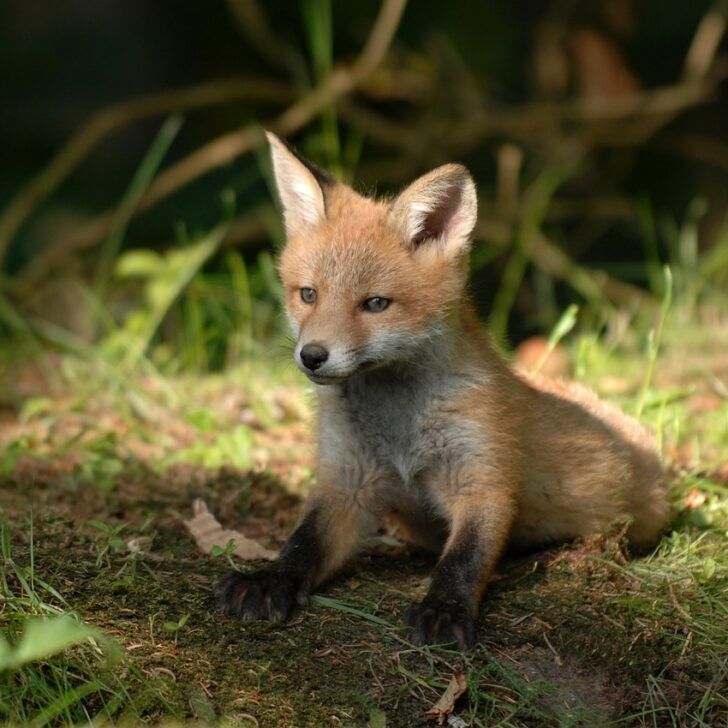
(629, 185)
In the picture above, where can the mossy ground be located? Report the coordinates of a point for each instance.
(576, 635)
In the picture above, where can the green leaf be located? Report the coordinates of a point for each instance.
(143, 263)
(203, 420)
(100, 525)
(700, 518)
(176, 626)
(34, 406)
(709, 567)
(342, 607)
(44, 638)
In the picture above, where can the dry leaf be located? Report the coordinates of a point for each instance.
(208, 533)
(140, 546)
(446, 704)
(694, 499)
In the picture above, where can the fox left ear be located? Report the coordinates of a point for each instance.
(301, 187)
(440, 207)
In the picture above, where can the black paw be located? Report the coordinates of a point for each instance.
(267, 594)
(434, 622)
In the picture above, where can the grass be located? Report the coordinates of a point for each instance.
(55, 668)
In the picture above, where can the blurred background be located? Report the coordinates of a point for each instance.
(136, 208)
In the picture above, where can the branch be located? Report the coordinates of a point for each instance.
(114, 117)
(706, 41)
(590, 284)
(620, 122)
(228, 147)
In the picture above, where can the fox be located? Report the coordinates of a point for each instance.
(420, 419)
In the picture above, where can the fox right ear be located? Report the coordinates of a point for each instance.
(438, 210)
(300, 186)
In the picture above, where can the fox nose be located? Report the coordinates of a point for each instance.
(313, 356)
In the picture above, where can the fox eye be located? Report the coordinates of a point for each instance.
(308, 295)
(376, 304)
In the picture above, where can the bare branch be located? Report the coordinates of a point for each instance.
(108, 120)
(228, 147)
(706, 41)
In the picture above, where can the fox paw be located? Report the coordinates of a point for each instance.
(434, 622)
(267, 594)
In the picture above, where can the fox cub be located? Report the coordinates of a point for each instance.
(419, 418)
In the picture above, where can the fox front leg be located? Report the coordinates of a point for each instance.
(479, 529)
(327, 536)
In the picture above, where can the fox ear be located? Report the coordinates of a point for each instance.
(440, 207)
(301, 185)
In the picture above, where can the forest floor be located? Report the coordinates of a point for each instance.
(97, 478)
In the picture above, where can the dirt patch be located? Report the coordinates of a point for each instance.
(569, 682)
(547, 630)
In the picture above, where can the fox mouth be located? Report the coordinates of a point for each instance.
(335, 377)
(326, 378)
(365, 366)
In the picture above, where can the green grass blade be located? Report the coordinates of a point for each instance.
(656, 340)
(140, 182)
(340, 606)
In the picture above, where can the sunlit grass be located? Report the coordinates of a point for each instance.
(55, 668)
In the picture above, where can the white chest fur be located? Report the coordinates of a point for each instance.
(397, 424)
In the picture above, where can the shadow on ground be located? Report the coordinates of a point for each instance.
(561, 642)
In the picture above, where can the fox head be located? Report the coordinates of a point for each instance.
(369, 283)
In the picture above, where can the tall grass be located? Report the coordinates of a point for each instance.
(54, 668)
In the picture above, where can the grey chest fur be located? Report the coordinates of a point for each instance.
(400, 420)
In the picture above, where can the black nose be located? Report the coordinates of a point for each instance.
(313, 356)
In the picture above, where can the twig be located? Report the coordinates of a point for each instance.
(243, 231)
(593, 285)
(627, 121)
(510, 161)
(114, 117)
(706, 41)
(526, 122)
(557, 657)
(694, 147)
(228, 147)
(681, 610)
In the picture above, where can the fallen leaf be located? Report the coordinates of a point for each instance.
(446, 704)
(208, 533)
(455, 721)
(325, 652)
(694, 499)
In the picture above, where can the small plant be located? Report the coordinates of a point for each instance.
(109, 540)
(176, 627)
(225, 552)
(226, 449)
(101, 463)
